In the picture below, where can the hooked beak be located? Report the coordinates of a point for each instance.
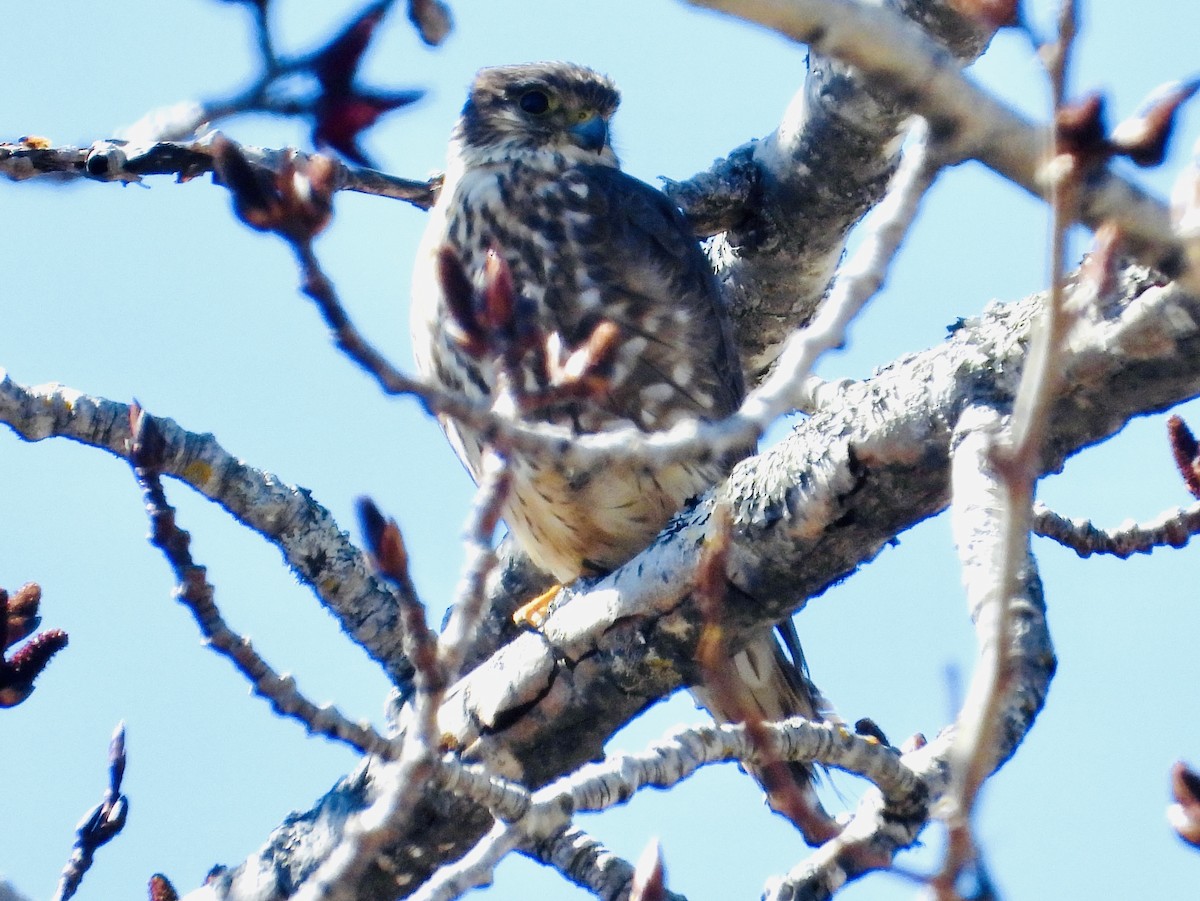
(590, 134)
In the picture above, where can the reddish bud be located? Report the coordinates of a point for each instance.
(18, 673)
(116, 759)
(868, 728)
(384, 541)
(1184, 814)
(432, 19)
(1101, 267)
(459, 296)
(19, 614)
(337, 62)
(1144, 137)
(161, 889)
(499, 297)
(992, 13)
(649, 875)
(587, 371)
(296, 202)
(342, 117)
(255, 200)
(1184, 449)
(1081, 130)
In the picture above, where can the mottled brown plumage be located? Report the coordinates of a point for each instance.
(585, 243)
(532, 177)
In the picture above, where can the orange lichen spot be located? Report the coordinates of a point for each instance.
(198, 472)
(36, 142)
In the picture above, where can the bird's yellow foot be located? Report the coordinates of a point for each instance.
(534, 613)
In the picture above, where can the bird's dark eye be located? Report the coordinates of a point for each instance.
(534, 102)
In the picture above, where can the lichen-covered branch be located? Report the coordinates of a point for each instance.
(125, 162)
(313, 545)
(1171, 528)
(872, 462)
(195, 592)
(615, 780)
(829, 160)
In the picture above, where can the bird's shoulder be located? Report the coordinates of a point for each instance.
(633, 210)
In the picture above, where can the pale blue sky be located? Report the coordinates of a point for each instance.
(159, 294)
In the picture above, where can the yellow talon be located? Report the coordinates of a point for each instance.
(534, 613)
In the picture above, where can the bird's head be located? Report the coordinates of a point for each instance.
(537, 107)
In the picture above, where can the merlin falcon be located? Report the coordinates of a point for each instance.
(531, 177)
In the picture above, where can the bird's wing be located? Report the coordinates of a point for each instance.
(657, 286)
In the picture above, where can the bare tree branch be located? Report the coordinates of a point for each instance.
(1171, 528)
(895, 59)
(313, 545)
(197, 594)
(787, 202)
(868, 465)
(587, 863)
(99, 825)
(126, 162)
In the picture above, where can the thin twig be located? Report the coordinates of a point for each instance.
(614, 781)
(1017, 466)
(196, 593)
(470, 597)
(585, 861)
(1171, 528)
(725, 695)
(312, 543)
(127, 162)
(99, 825)
(902, 61)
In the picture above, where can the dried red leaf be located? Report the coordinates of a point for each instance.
(341, 117)
(1184, 449)
(335, 65)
